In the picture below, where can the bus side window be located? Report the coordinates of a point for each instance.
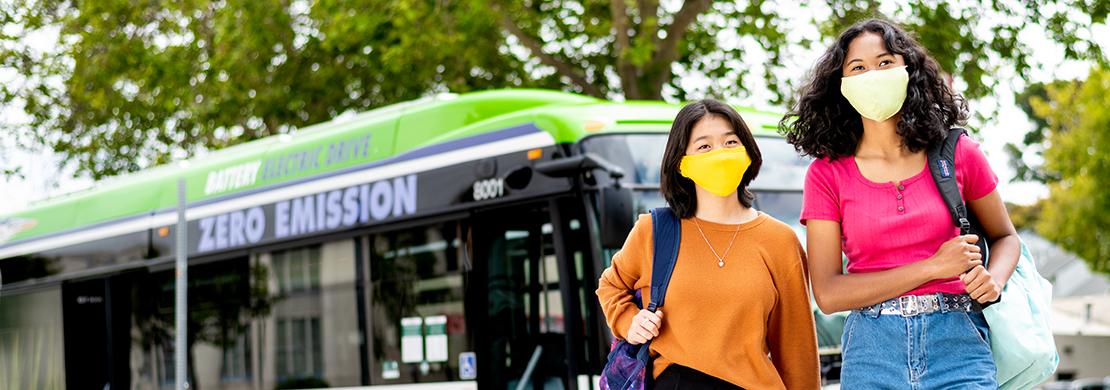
(416, 314)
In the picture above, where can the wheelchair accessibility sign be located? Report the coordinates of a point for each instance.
(468, 366)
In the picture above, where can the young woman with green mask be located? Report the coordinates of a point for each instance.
(874, 103)
(737, 307)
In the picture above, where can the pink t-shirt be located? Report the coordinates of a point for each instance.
(886, 225)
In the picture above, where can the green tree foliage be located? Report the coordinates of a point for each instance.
(119, 85)
(1077, 166)
(1025, 217)
(632, 48)
(1029, 147)
(973, 40)
(139, 83)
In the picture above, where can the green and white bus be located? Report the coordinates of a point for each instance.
(440, 243)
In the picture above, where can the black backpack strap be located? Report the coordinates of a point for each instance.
(942, 164)
(666, 235)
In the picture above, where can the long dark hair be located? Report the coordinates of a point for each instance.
(679, 190)
(823, 124)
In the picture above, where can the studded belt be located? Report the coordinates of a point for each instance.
(912, 305)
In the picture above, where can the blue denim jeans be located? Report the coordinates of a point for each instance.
(940, 350)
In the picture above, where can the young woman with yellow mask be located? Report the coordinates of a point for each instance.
(737, 308)
(874, 104)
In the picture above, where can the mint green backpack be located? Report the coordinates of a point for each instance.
(1021, 338)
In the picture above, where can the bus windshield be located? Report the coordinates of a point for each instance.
(641, 154)
(778, 187)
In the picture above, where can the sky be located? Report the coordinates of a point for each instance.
(45, 174)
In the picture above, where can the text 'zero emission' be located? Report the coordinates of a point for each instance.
(322, 211)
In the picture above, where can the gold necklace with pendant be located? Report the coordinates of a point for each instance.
(720, 258)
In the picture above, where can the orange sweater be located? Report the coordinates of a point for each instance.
(749, 323)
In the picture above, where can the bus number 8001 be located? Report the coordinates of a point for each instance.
(489, 189)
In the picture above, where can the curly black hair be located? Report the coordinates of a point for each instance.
(823, 124)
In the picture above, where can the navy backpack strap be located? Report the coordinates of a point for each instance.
(666, 234)
(942, 164)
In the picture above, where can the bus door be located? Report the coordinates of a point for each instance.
(532, 328)
(97, 326)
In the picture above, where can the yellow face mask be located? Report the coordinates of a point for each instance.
(718, 171)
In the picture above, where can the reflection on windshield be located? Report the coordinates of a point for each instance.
(785, 206)
(640, 155)
(783, 168)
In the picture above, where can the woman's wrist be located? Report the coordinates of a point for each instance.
(929, 269)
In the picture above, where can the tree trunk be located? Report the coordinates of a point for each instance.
(645, 81)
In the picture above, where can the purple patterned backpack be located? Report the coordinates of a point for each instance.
(629, 366)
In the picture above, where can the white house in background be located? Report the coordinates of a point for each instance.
(1081, 326)
(1080, 310)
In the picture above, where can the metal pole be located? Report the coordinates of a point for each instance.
(527, 377)
(180, 305)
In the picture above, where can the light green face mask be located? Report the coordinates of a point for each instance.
(877, 94)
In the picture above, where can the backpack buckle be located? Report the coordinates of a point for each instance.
(965, 226)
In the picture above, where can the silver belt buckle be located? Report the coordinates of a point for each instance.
(908, 306)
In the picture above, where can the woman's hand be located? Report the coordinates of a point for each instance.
(956, 257)
(645, 326)
(981, 285)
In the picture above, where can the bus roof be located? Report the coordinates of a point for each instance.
(346, 142)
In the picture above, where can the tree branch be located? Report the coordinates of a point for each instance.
(561, 66)
(649, 19)
(625, 69)
(667, 51)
